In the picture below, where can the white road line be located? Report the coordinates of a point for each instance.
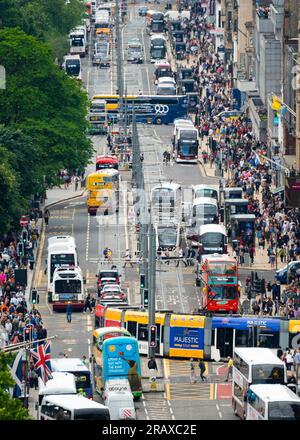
(88, 237)
(220, 414)
(126, 223)
(147, 73)
(180, 292)
(217, 406)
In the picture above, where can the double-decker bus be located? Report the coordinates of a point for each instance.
(117, 357)
(68, 285)
(219, 283)
(149, 109)
(254, 366)
(272, 402)
(103, 191)
(107, 161)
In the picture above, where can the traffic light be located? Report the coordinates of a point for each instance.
(142, 281)
(28, 333)
(24, 235)
(34, 296)
(20, 249)
(152, 335)
(145, 297)
(256, 286)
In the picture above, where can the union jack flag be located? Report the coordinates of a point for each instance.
(42, 360)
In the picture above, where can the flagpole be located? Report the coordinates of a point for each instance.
(19, 345)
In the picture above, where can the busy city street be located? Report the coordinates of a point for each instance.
(157, 270)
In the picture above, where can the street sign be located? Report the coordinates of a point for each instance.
(24, 221)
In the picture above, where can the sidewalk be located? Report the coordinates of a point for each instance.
(261, 260)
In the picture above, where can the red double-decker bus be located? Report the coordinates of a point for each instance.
(107, 161)
(219, 284)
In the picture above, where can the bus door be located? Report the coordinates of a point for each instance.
(225, 341)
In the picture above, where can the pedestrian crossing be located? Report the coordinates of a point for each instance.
(176, 367)
(188, 391)
(157, 408)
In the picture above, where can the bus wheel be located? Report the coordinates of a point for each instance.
(158, 121)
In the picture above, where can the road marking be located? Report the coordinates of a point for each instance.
(88, 237)
(126, 222)
(211, 393)
(166, 364)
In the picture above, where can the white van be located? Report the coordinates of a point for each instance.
(118, 398)
(61, 383)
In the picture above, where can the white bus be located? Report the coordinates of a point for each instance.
(57, 239)
(68, 285)
(254, 366)
(72, 66)
(205, 191)
(71, 407)
(204, 211)
(272, 402)
(60, 254)
(82, 373)
(61, 383)
(78, 42)
(211, 239)
(166, 203)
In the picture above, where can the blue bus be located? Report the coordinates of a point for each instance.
(149, 109)
(81, 372)
(117, 358)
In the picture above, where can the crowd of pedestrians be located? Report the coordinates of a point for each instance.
(15, 314)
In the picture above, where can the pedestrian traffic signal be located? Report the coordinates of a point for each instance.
(145, 297)
(20, 249)
(257, 286)
(28, 333)
(152, 335)
(142, 281)
(34, 296)
(24, 235)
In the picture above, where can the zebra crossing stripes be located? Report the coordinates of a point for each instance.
(188, 391)
(157, 408)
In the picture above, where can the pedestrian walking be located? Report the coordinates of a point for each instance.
(69, 311)
(76, 180)
(128, 258)
(192, 371)
(229, 368)
(297, 363)
(87, 303)
(152, 366)
(202, 369)
(46, 216)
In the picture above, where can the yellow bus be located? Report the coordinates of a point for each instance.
(103, 191)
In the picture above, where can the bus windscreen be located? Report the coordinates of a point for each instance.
(267, 373)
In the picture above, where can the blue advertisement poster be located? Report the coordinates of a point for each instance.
(186, 338)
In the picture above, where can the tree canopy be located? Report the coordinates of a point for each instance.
(10, 409)
(49, 21)
(42, 117)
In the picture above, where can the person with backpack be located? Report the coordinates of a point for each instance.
(202, 369)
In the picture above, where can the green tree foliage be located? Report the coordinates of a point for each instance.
(48, 20)
(43, 116)
(10, 408)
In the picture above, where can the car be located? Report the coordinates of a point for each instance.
(166, 80)
(284, 275)
(142, 11)
(134, 42)
(113, 293)
(107, 277)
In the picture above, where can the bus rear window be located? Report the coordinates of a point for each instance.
(267, 373)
